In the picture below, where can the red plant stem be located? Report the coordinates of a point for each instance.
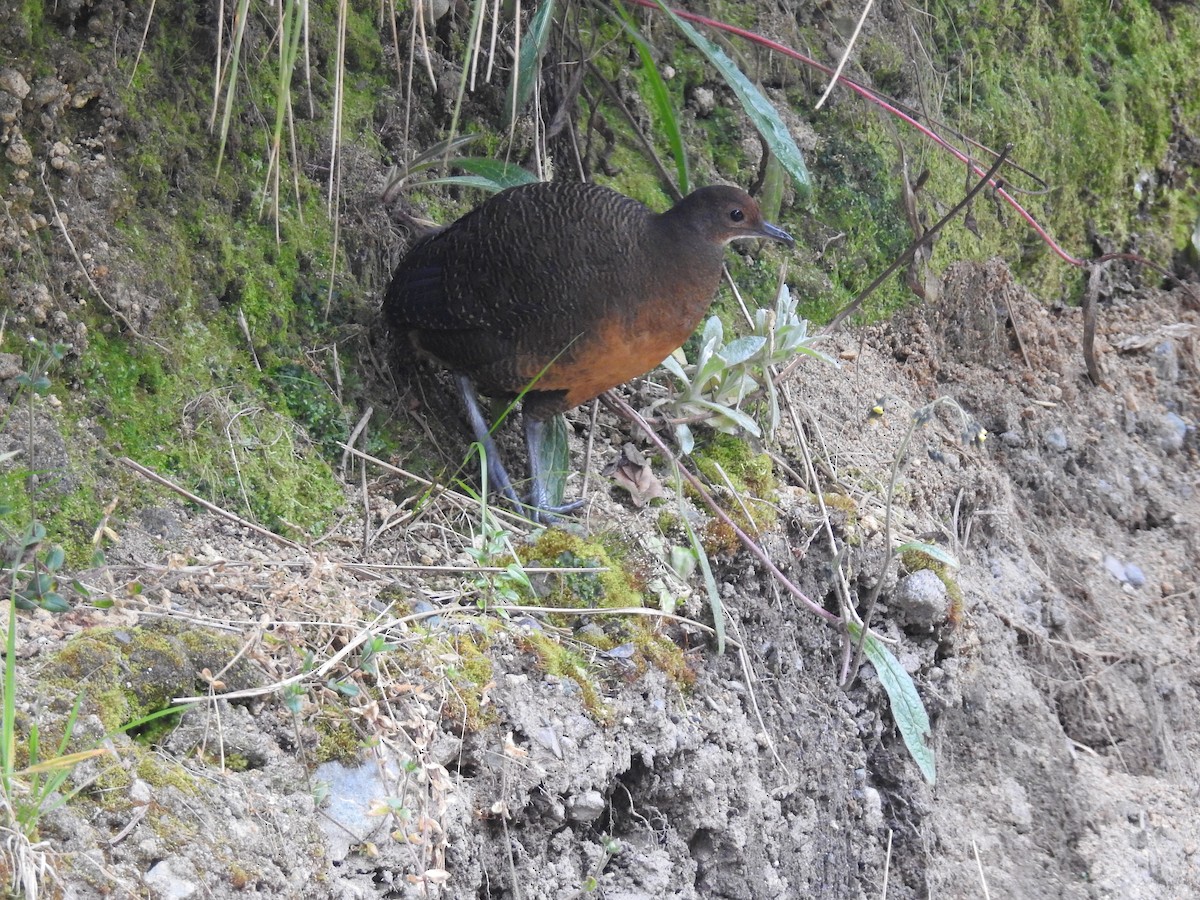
(871, 96)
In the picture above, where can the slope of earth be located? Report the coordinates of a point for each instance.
(390, 724)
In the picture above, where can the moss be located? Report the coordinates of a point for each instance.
(1091, 108)
(126, 674)
(753, 479)
(469, 680)
(618, 586)
(561, 661)
(337, 740)
(159, 772)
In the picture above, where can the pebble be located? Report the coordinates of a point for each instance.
(1126, 573)
(586, 807)
(703, 101)
(174, 878)
(14, 83)
(1012, 439)
(920, 599)
(1172, 433)
(1056, 439)
(1166, 362)
(19, 153)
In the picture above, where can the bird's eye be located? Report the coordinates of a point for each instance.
(737, 215)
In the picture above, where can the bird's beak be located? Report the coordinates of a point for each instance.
(775, 233)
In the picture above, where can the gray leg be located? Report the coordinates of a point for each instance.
(497, 476)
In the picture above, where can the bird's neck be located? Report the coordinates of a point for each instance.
(681, 283)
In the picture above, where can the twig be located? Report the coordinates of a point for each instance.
(211, 507)
(833, 80)
(1090, 296)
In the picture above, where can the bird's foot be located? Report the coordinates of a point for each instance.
(544, 514)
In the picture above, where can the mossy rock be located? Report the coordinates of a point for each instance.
(130, 673)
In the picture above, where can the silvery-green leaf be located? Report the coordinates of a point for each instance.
(741, 349)
(685, 439)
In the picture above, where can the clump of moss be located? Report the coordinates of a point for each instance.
(563, 662)
(337, 741)
(469, 680)
(752, 476)
(618, 586)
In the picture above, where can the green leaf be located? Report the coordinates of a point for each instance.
(685, 439)
(671, 364)
(710, 584)
(741, 349)
(533, 47)
(757, 107)
(505, 174)
(55, 558)
(55, 603)
(555, 458)
(933, 551)
(739, 418)
(907, 708)
(475, 181)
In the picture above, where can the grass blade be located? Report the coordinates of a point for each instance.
(504, 174)
(710, 584)
(659, 100)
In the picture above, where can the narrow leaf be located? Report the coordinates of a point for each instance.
(555, 458)
(533, 47)
(757, 107)
(907, 708)
(742, 349)
(710, 584)
(502, 173)
(660, 100)
(933, 551)
(739, 418)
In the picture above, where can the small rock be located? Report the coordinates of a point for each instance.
(1166, 362)
(920, 599)
(703, 101)
(1173, 432)
(14, 83)
(10, 366)
(1115, 567)
(1056, 439)
(586, 807)
(46, 91)
(174, 878)
(1012, 439)
(1126, 573)
(10, 108)
(19, 153)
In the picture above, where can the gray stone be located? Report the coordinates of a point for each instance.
(920, 599)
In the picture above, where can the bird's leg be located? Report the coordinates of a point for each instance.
(539, 496)
(497, 476)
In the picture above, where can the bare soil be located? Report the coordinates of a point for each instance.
(1064, 688)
